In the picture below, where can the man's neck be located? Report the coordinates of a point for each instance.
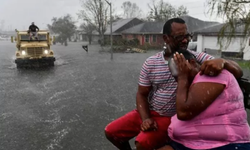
(167, 53)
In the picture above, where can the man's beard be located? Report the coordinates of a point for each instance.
(180, 46)
(170, 50)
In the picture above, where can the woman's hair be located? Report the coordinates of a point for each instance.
(188, 55)
(174, 68)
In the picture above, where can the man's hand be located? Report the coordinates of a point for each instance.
(212, 67)
(148, 125)
(184, 67)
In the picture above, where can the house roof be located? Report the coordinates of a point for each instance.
(210, 29)
(119, 25)
(195, 24)
(146, 27)
(215, 29)
(93, 33)
(156, 27)
(137, 26)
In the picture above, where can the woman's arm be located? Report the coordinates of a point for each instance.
(192, 100)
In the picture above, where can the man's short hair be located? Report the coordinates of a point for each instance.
(167, 28)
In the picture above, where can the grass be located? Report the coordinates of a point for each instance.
(244, 64)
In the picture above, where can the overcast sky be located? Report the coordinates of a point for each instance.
(20, 13)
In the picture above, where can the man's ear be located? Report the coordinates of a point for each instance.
(166, 38)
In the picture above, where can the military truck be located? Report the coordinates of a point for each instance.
(33, 51)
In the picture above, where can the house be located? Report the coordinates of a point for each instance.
(207, 39)
(117, 27)
(195, 24)
(151, 32)
(121, 25)
(146, 32)
(83, 36)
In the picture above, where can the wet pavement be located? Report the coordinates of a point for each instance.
(65, 107)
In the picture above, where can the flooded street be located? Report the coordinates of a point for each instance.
(65, 107)
(68, 106)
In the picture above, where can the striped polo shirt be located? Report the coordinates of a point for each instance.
(155, 72)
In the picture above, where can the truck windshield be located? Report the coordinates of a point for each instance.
(41, 37)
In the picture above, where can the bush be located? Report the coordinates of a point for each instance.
(133, 42)
(66, 43)
(148, 46)
(123, 42)
(244, 64)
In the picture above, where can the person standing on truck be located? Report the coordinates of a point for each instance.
(33, 29)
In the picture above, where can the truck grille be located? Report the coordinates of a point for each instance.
(35, 51)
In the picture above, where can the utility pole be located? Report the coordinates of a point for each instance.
(111, 33)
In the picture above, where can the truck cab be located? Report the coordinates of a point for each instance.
(31, 51)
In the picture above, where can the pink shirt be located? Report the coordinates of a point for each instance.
(223, 122)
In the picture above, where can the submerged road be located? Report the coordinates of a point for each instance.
(65, 107)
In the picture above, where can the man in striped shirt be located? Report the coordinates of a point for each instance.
(156, 95)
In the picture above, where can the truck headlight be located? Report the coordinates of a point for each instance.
(23, 53)
(46, 52)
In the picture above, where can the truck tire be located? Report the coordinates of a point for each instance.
(51, 64)
(18, 66)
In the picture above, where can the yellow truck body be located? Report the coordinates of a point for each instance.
(31, 51)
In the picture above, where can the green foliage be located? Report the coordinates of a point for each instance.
(123, 42)
(244, 64)
(237, 19)
(148, 46)
(133, 42)
(120, 42)
(63, 26)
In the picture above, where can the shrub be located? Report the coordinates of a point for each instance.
(244, 64)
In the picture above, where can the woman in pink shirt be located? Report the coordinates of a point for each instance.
(210, 110)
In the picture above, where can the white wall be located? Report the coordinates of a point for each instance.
(247, 50)
(236, 45)
(210, 42)
(199, 43)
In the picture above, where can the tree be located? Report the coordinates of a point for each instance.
(162, 11)
(95, 12)
(115, 18)
(88, 28)
(131, 10)
(237, 17)
(64, 27)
